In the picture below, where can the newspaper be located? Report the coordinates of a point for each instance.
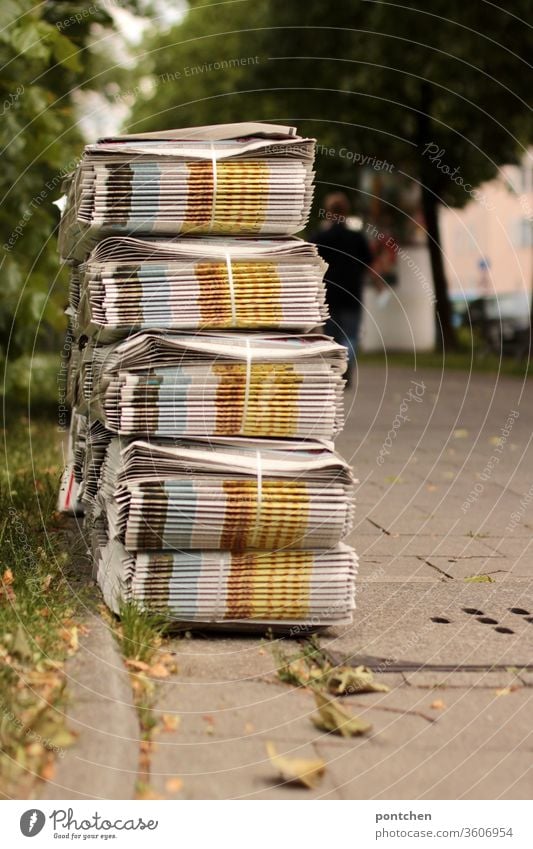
(168, 384)
(291, 589)
(198, 284)
(258, 181)
(225, 494)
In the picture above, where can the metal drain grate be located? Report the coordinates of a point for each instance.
(488, 620)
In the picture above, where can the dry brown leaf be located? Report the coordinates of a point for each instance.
(74, 642)
(438, 704)
(139, 665)
(249, 728)
(506, 691)
(334, 718)
(305, 771)
(173, 785)
(48, 771)
(348, 680)
(170, 721)
(35, 750)
(158, 670)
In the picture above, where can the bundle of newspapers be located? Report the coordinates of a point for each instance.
(231, 180)
(198, 284)
(231, 495)
(221, 385)
(204, 395)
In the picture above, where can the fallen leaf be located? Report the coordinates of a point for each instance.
(48, 771)
(210, 724)
(171, 721)
(249, 728)
(139, 665)
(35, 750)
(460, 433)
(479, 579)
(305, 771)
(7, 578)
(346, 680)
(438, 704)
(336, 719)
(431, 487)
(70, 635)
(74, 641)
(158, 670)
(506, 691)
(21, 646)
(173, 785)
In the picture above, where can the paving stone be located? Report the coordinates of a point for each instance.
(395, 620)
(400, 569)
(493, 680)
(236, 711)
(499, 568)
(231, 769)
(426, 545)
(407, 772)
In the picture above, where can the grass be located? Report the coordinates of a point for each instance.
(140, 632)
(38, 628)
(472, 356)
(140, 636)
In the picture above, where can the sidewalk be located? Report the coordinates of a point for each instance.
(445, 495)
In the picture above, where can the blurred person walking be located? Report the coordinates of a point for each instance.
(349, 259)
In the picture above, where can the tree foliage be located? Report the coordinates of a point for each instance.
(44, 57)
(439, 90)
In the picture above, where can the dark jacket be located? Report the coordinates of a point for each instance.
(348, 255)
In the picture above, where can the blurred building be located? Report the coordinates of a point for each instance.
(488, 244)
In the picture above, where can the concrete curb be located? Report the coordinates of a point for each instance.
(103, 763)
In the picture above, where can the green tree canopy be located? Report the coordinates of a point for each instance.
(44, 58)
(439, 90)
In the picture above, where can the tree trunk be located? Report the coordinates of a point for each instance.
(446, 334)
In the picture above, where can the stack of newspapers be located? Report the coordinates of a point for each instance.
(205, 399)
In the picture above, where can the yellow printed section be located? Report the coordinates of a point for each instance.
(241, 197)
(256, 293)
(279, 521)
(271, 587)
(272, 407)
(239, 204)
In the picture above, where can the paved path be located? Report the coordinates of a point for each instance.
(445, 465)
